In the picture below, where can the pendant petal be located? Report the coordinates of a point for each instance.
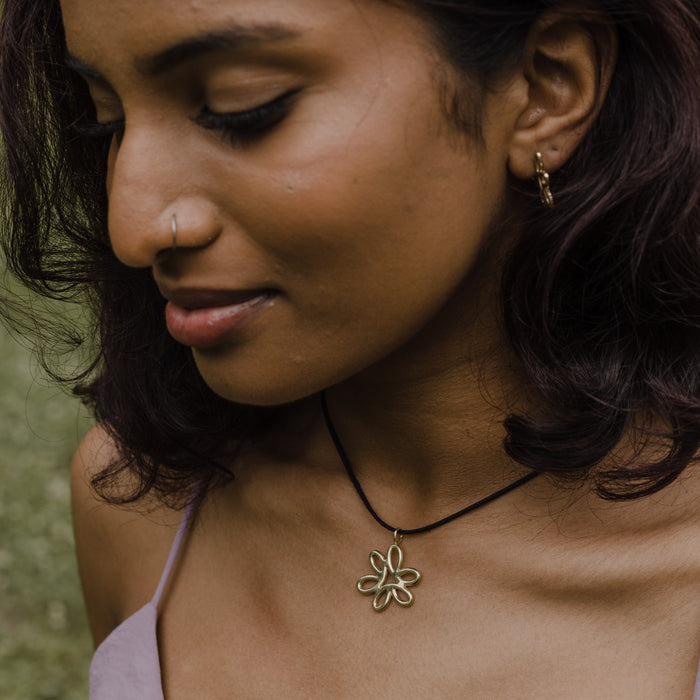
(408, 576)
(368, 584)
(377, 561)
(382, 598)
(403, 597)
(394, 558)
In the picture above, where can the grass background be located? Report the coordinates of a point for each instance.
(44, 640)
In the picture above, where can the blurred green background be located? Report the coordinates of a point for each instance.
(44, 640)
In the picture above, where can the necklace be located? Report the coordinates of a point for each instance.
(391, 580)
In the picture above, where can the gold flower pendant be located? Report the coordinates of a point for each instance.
(391, 581)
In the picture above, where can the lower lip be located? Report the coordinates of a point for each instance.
(207, 328)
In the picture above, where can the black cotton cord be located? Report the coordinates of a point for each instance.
(418, 530)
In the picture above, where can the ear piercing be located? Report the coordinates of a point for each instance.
(542, 177)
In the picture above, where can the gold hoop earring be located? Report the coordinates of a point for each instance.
(542, 177)
(173, 228)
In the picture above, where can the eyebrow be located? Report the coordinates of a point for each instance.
(232, 38)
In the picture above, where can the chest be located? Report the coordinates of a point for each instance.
(268, 622)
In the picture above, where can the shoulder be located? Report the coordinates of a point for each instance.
(121, 550)
(657, 537)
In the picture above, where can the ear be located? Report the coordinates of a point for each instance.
(568, 63)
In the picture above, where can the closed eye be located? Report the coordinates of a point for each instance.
(242, 128)
(239, 128)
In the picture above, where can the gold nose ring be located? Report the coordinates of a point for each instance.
(173, 228)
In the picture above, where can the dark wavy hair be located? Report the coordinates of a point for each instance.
(600, 295)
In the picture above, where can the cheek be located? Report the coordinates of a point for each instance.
(366, 256)
(371, 218)
(370, 233)
(376, 184)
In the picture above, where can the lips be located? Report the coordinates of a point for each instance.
(204, 318)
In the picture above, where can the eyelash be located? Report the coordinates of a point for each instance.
(241, 128)
(238, 128)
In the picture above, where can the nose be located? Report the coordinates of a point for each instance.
(153, 193)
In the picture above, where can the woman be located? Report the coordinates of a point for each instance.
(325, 255)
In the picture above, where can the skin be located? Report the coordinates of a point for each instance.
(368, 214)
(291, 221)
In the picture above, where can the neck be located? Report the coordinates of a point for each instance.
(423, 430)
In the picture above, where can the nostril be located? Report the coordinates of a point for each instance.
(148, 223)
(189, 223)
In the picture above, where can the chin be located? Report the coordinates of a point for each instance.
(262, 387)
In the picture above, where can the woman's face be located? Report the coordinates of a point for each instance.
(326, 210)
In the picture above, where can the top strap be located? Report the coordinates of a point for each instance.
(174, 550)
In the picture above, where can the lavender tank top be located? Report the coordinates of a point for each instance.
(126, 666)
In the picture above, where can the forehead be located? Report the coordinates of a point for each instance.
(163, 16)
(107, 29)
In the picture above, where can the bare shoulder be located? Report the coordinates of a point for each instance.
(121, 550)
(657, 536)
